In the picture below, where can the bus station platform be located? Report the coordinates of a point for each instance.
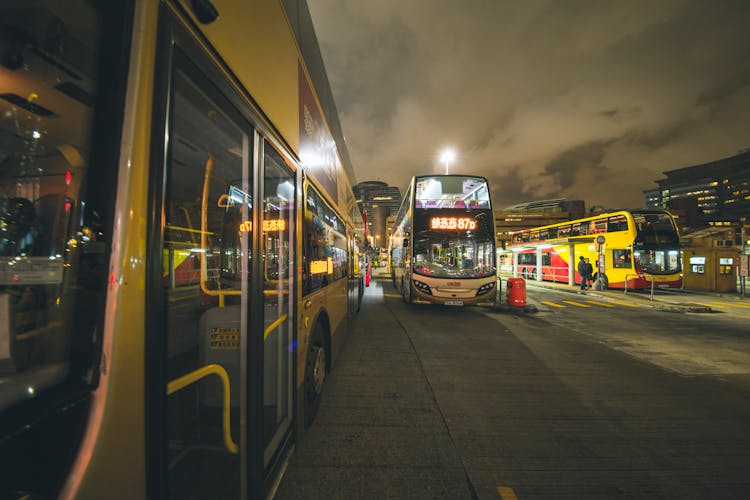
(672, 300)
(379, 432)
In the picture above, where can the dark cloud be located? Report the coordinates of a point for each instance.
(509, 186)
(581, 98)
(726, 88)
(585, 158)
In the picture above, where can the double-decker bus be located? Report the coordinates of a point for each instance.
(634, 249)
(442, 248)
(180, 248)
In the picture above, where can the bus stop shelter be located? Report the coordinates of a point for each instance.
(508, 258)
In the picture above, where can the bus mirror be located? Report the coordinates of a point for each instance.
(406, 243)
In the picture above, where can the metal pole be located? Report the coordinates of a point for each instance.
(742, 253)
(652, 288)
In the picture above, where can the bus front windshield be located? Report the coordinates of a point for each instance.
(659, 261)
(466, 251)
(656, 248)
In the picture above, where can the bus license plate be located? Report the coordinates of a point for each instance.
(454, 302)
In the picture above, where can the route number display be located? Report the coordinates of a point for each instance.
(452, 223)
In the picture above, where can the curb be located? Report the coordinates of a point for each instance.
(506, 308)
(658, 305)
(692, 308)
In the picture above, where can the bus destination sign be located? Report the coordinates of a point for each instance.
(449, 223)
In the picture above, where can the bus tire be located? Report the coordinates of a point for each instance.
(315, 373)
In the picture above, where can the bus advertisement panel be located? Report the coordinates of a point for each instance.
(443, 242)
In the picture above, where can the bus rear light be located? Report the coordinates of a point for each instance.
(486, 288)
(422, 287)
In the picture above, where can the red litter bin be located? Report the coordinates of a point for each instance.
(516, 292)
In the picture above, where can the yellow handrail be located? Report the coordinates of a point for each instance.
(204, 223)
(273, 325)
(192, 377)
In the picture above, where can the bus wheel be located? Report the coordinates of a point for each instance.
(315, 373)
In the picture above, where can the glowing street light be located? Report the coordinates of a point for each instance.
(447, 156)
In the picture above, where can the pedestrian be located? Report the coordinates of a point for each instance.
(589, 270)
(582, 271)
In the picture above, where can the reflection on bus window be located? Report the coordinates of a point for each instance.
(621, 259)
(325, 249)
(206, 265)
(48, 87)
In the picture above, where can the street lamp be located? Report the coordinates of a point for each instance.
(447, 156)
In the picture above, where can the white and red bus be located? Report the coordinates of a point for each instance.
(636, 247)
(443, 243)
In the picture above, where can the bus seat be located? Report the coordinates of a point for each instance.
(430, 204)
(473, 204)
(459, 204)
(418, 204)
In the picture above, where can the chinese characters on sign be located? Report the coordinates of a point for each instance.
(269, 225)
(461, 223)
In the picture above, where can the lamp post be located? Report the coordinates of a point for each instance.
(447, 156)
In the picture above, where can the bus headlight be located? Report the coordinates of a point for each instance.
(486, 288)
(422, 287)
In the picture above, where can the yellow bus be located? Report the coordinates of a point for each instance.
(180, 247)
(442, 249)
(636, 248)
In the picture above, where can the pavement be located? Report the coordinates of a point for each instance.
(383, 433)
(380, 432)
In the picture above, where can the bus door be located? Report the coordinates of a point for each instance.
(278, 311)
(202, 323)
(221, 345)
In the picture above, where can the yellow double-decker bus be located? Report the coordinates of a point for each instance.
(180, 247)
(636, 249)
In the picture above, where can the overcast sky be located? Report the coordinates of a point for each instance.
(587, 100)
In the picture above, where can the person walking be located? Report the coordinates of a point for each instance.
(582, 271)
(589, 273)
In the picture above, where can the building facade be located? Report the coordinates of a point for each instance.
(718, 191)
(380, 201)
(535, 214)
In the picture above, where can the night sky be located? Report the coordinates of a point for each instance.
(587, 100)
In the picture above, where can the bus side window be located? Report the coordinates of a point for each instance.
(621, 259)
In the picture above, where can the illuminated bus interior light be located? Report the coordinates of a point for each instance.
(285, 191)
(321, 266)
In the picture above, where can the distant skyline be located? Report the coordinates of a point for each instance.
(548, 99)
